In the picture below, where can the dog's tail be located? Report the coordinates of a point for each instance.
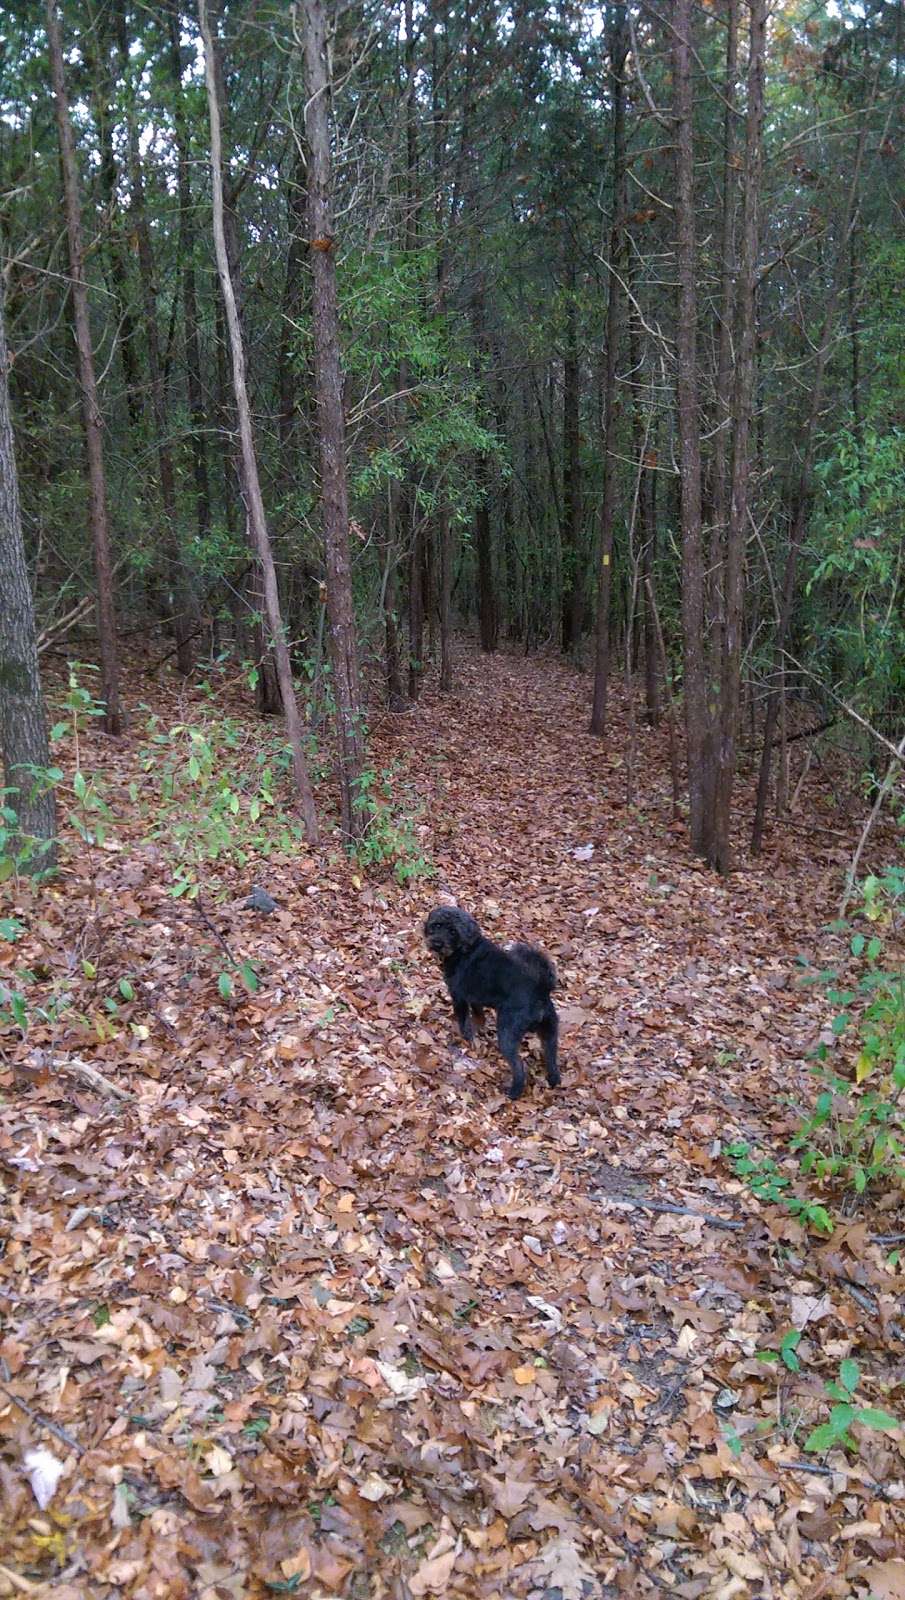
(540, 966)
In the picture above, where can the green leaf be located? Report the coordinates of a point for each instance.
(250, 977)
(858, 943)
(11, 928)
(840, 1023)
(788, 1348)
(80, 787)
(849, 1373)
(194, 769)
(874, 948)
(225, 985)
(822, 1438)
(126, 989)
(871, 1417)
(89, 969)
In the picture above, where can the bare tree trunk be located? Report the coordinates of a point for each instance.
(91, 415)
(742, 407)
(446, 678)
(573, 577)
(728, 287)
(697, 716)
(331, 419)
(393, 670)
(618, 53)
(23, 730)
(256, 518)
(194, 387)
(180, 595)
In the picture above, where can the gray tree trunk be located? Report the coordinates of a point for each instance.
(23, 731)
(330, 416)
(91, 415)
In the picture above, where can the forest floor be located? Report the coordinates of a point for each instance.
(317, 1311)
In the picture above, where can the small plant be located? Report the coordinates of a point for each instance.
(214, 800)
(787, 1353)
(23, 852)
(855, 1136)
(390, 837)
(835, 1431)
(765, 1180)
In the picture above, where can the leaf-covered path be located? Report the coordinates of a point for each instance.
(317, 1311)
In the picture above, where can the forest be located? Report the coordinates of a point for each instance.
(452, 467)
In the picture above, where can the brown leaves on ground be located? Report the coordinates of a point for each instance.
(317, 1311)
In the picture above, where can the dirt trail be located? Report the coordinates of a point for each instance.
(324, 1313)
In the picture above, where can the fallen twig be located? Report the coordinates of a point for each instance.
(676, 1211)
(41, 1421)
(91, 1076)
(215, 931)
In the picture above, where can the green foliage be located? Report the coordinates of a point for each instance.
(835, 1431)
(390, 837)
(22, 852)
(855, 1136)
(212, 797)
(769, 1184)
(859, 629)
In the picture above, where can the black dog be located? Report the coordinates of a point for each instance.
(515, 983)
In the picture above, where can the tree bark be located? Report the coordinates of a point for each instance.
(23, 730)
(573, 577)
(180, 595)
(257, 521)
(697, 717)
(91, 415)
(446, 674)
(728, 290)
(726, 743)
(615, 298)
(194, 386)
(331, 418)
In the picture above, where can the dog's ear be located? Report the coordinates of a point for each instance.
(468, 932)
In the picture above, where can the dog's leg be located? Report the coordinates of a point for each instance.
(509, 1036)
(463, 1018)
(549, 1037)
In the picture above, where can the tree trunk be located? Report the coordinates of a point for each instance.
(728, 294)
(615, 298)
(179, 592)
(194, 387)
(331, 419)
(446, 676)
(256, 517)
(393, 670)
(91, 415)
(697, 719)
(726, 743)
(573, 577)
(23, 730)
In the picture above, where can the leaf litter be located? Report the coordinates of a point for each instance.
(316, 1310)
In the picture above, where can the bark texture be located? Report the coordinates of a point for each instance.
(23, 731)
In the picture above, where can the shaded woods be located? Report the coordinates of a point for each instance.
(452, 453)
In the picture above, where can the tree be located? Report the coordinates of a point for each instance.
(618, 54)
(257, 520)
(331, 418)
(91, 413)
(23, 730)
(697, 716)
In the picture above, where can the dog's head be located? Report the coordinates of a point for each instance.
(450, 932)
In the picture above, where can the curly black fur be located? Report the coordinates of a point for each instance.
(515, 983)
